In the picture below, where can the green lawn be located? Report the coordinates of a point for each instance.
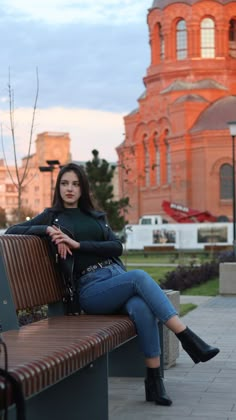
(156, 273)
(210, 288)
(186, 307)
(177, 257)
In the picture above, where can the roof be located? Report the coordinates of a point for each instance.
(200, 84)
(217, 115)
(54, 133)
(190, 98)
(161, 4)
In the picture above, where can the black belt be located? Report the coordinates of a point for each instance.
(94, 267)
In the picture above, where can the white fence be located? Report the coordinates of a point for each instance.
(179, 235)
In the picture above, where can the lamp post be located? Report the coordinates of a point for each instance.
(50, 168)
(232, 129)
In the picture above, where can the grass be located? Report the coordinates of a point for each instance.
(176, 257)
(155, 272)
(210, 288)
(186, 307)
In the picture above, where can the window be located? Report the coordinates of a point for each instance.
(146, 221)
(147, 166)
(208, 38)
(181, 40)
(168, 163)
(158, 166)
(10, 188)
(226, 182)
(162, 43)
(232, 38)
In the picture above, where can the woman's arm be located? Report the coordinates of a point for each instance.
(36, 226)
(39, 226)
(111, 247)
(107, 248)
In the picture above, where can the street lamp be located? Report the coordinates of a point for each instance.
(50, 168)
(232, 129)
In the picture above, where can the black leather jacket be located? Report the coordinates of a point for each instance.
(110, 247)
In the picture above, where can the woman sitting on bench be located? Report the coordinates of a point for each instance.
(89, 252)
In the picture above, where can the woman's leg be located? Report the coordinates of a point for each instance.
(149, 341)
(147, 329)
(108, 289)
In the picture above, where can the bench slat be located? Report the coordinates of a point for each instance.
(45, 352)
(30, 271)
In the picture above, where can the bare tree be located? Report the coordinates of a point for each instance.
(20, 179)
(25, 214)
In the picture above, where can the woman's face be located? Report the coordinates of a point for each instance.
(70, 189)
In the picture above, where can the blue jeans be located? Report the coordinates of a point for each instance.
(110, 289)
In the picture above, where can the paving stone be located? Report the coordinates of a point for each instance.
(206, 391)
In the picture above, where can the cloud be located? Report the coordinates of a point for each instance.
(67, 11)
(88, 129)
(79, 66)
(91, 57)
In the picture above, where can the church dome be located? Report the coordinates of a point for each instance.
(161, 4)
(217, 115)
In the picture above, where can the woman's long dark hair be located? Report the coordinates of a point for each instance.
(85, 201)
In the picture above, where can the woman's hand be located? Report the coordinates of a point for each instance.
(58, 237)
(63, 250)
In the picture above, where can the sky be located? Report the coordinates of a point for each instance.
(91, 58)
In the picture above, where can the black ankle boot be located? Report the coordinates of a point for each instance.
(154, 387)
(197, 349)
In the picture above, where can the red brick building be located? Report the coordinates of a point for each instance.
(177, 143)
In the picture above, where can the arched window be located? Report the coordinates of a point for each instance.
(232, 38)
(158, 166)
(147, 164)
(162, 43)
(157, 163)
(168, 163)
(181, 40)
(226, 182)
(208, 38)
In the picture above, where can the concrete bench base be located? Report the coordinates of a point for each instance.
(170, 341)
(227, 278)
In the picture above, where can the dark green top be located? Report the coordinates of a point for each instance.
(84, 228)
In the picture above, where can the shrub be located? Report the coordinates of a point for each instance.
(185, 277)
(226, 256)
(27, 316)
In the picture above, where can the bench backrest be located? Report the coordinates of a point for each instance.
(27, 273)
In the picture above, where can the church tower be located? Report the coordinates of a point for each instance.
(177, 143)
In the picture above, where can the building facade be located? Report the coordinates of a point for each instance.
(37, 187)
(177, 143)
(39, 184)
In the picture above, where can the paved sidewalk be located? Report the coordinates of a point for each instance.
(206, 391)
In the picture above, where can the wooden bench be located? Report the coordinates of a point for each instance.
(62, 362)
(217, 248)
(169, 249)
